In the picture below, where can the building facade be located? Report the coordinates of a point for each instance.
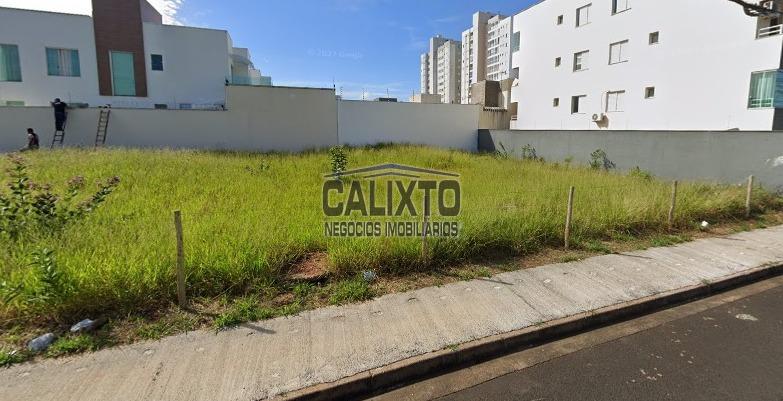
(486, 51)
(440, 69)
(647, 65)
(448, 71)
(123, 55)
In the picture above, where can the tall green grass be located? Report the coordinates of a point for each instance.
(248, 217)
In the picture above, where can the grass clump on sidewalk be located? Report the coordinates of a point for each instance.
(251, 218)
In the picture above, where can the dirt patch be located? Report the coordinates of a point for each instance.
(313, 267)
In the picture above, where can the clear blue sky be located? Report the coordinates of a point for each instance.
(370, 44)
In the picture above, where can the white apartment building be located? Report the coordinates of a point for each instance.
(429, 61)
(123, 55)
(647, 65)
(440, 69)
(486, 51)
(448, 71)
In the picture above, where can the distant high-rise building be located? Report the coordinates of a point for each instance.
(486, 51)
(440, 69)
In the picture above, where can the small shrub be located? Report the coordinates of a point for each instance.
(72, 345)
(529, 153)
(502, 153)
(599, 160)
(339, 159)
(244, 310)
(354, 290)
(29, 206)
(637, 172)
(10, 357)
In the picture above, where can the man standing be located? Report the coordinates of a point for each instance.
(60, 114)
(32, 140)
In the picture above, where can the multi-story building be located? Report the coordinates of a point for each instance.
(440, 69)
(448, 71)
(486, 51)
(123, 55)
(429, 61)
(648, 65)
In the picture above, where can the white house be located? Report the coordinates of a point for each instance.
(647, 65)
(123, 55)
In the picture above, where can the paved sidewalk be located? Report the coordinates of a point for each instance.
(281, 355)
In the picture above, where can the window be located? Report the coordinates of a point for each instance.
(185, 106)
(614, 101)
(559, 20)
(583, 15)
(578, 104)
(619, 6)
(655, 37)
(580, 61)
(618, 52)
(161, 106)
(12, 103)
(122, 74)
(157, 62)
(649, 92)
(762, 89)
(10, 71)
(557, 62)
(556, 102)
(515, 42)
(62, 62)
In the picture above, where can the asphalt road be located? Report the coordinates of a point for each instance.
(732, 352)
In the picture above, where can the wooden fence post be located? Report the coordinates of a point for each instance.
(748, 198)
(425, 220)
(424, 237)
(569, 215)
(181, 297)
(673, 205)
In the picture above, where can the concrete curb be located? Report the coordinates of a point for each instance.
(420, 367)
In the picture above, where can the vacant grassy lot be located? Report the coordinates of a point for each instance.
(248, 218)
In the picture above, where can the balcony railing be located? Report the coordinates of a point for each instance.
(251, 81)
(770, 31)
(760, 103)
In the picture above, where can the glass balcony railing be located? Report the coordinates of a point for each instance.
(250, 81)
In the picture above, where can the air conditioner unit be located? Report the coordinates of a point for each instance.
(598, 117)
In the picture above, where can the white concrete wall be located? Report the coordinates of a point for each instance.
(196, 62)
(445, 125)
(728, 157)
(701, 68)
(257, 119)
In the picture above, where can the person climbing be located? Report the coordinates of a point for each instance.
(60, 114)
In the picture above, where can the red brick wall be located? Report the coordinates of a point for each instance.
(118, 27)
